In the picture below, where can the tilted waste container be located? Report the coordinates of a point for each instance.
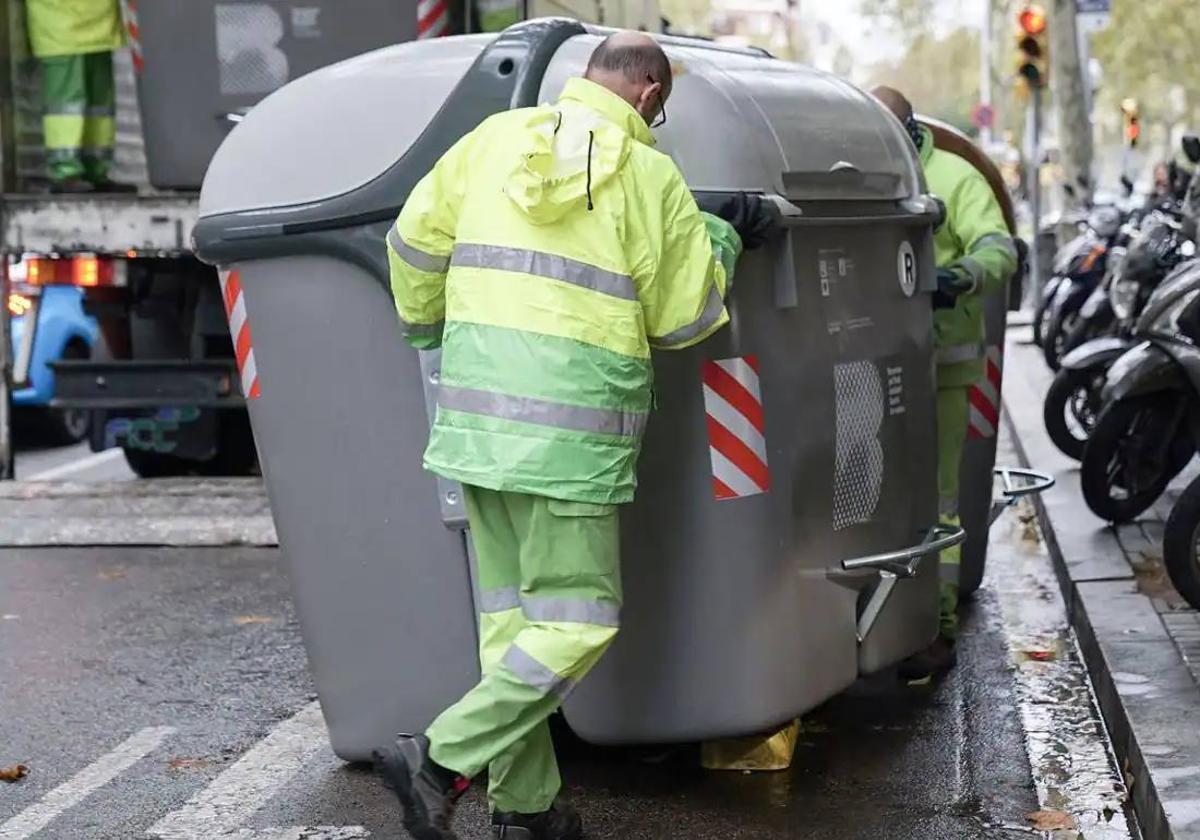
(796, 442)
(200, 64)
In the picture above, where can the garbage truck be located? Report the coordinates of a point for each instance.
(165, 383)
(784, 537)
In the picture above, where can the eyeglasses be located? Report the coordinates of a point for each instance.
(662, 105)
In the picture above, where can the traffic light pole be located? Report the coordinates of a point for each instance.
(1034, 175)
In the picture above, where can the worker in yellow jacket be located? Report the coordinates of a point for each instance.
(975, 256)
(546, 253)
(73, 40)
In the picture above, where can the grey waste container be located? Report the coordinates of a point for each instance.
(739, 612)
(202, 64)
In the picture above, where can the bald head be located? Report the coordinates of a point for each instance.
(894, 101)
(634, 67)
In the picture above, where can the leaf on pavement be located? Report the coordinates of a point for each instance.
(14, 773)
(1051, 820)
(188, 763)
(112, 574)
(254, 619)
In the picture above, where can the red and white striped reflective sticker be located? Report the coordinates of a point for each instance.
(239, 329)
(433, 18)
(983, 398)
(133, 28)
(737, 441)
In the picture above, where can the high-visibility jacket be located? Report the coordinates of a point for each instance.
(974, 242)
(497, 15)
(73, 27)
(547, 252)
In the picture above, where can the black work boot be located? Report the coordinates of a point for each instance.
(427, 792)
(936, 660)
(561, 822)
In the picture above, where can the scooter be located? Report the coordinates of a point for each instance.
(1079, 270)
(1073, 402)
(1149, 427)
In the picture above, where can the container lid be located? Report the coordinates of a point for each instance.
(337, 128)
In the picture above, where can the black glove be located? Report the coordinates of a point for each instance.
(950, 284)
(755, 219)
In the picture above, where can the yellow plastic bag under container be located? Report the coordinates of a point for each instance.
(768, 751)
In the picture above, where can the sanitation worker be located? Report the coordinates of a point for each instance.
(73, 40)
(975, 256)
(546, 253)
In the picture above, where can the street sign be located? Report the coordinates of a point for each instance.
(983, 116)
(1093, 7)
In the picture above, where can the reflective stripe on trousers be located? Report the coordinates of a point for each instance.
(549, 578)
(957, 353)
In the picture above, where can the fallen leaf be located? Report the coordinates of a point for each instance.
(14, 773)
(1050, 820)
(112, 574)
(254, 619)
(188, 763)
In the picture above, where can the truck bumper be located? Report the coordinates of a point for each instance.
(134, 385)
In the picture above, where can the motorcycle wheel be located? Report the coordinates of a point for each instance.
(1062, 321)
(1181, 545)
(1071, 408)
(1123, 471)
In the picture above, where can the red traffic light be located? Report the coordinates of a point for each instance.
(1032, 20)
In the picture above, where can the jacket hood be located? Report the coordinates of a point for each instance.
(570, 150)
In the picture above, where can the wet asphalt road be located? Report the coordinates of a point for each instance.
(197, 653)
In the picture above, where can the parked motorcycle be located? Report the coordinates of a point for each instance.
(1073, 402)
(1181, 544)
(1079, 270)
(1149, 426)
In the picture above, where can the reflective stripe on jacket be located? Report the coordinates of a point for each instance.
(73, 27)
(974, 241)
(547, 252)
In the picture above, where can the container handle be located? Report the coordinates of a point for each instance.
(1029, 483)
(895, 565)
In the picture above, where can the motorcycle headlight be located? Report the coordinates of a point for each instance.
(1176, 317)
(1122, 294)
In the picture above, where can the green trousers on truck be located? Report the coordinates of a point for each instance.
(78, 121)
(550, 598)
(952, 416)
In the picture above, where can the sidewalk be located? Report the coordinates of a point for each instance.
(1140, 640)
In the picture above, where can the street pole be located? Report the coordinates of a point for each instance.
(1035, 192)
(1071, 97)
(985, 70)
(6, 447)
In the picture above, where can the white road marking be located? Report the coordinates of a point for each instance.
(96, 459)
(73, 791)
(220, 810)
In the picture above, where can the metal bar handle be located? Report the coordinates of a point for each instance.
(1037, 481)
(901, 561)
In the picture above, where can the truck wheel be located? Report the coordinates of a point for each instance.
(1181, 539)
(158, 465)
(66, 426)
(236, 454)
(1124, 468)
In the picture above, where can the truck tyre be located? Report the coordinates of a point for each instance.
(1180, 541)
(67, 426)
(157, 464)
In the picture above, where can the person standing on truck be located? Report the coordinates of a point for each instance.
(74, 40)
(975, 256)
(547, 252)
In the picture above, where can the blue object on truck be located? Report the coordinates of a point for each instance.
(60, 321)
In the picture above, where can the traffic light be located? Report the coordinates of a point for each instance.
(1133, 122)
(1033, 51)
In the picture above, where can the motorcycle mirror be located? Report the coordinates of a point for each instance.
(1127, 185)
(1191, 147)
